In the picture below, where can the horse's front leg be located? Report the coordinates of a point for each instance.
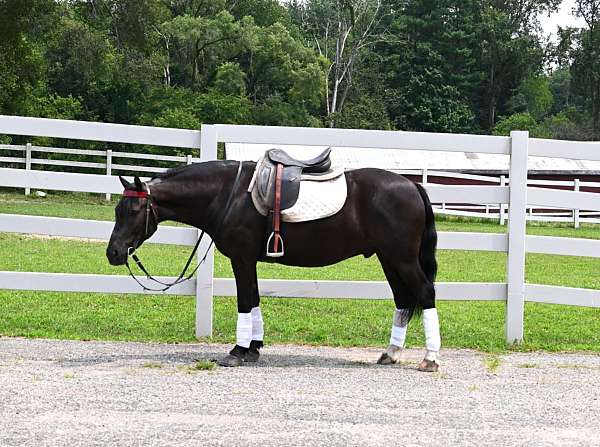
(249, 328)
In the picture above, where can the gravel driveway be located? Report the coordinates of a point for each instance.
(100, 393)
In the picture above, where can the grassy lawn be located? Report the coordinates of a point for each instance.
(310, 321)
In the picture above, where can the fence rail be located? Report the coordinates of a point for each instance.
(515, 243)
(109, 166)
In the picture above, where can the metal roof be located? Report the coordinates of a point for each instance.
(353, 158)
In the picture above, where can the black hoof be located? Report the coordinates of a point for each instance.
(385, 359)
(238, 355)
(230, 361)
(252, 356)
(428, 366)
(253, 352)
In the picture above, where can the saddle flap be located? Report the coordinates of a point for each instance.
(264, 189)
(291, 186)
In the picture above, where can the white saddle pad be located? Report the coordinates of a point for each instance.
(316, 200)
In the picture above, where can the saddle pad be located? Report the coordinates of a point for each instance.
(316, 200)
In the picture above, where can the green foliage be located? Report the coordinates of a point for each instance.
(55, 106)
(24, 26)
(520, 121)
(561, 127)
(370, 113)
(215, 107)
(431, 65)
(275, 112)
(230, 79)
(177, 118)
(264, 12)
(533, 96)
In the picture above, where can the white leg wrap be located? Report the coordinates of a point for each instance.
(244, 330)
(431, 325)
(257, 324)
(399, 326)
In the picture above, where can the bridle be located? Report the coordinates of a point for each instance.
(150, 206)
(151, 212)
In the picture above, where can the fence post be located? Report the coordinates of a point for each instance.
(108, 167)
(28, 164)
(501, 205)
(204, 278)
(424, 175)
(517, 220)
(576, 211)
(188, 159)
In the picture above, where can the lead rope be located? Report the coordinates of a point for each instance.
(182, 278)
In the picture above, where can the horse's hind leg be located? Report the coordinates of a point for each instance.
(424, 293)
(402, 313)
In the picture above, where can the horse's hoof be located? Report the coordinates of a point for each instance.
(252, 356)
(385, 359)
(428, 366)
(230, 361)
(390, 356)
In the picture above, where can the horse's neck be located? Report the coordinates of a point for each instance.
(192, 199)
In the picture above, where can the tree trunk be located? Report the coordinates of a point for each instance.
(596, 107)
(491, 99)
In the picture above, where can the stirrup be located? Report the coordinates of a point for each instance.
(275, 254)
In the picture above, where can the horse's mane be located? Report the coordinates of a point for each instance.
(189, 169)
(173, 171)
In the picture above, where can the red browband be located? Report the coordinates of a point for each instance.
(138, 194)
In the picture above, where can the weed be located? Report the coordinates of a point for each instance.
(492, 363)
(528, 365)
(154, 365)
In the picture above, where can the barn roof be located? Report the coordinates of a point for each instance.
(353, 158)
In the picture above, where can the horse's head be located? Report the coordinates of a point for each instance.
(135, 221)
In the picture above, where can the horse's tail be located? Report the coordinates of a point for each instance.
(429, 239)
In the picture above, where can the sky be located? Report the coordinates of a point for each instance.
(563, 18)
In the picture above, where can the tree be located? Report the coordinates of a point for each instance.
(340, 30)
(430, 70)
(520, 121)
(508, 51)
(585, 68)
(533, 96)
(25, 28)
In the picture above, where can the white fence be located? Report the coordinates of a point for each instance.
(514, 291)
(107, 163)
(498, 211)
(487, 211)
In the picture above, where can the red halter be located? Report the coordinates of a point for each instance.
(138, 194)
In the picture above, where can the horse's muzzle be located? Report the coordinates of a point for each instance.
(115, 256)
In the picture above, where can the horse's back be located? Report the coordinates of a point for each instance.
(379, 190)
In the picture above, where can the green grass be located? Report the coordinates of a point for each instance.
(492, 363)
(204, 365)
(468, 324)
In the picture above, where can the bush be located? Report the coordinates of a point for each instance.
(521, 121)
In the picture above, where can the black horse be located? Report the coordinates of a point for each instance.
(384, 214)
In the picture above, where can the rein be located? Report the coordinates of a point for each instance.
(151, 210)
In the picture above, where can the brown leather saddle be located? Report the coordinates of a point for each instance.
(276, 186)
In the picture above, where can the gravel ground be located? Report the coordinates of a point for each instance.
(100, 393)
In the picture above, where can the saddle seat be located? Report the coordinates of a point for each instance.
(275, 187)
(321, 163)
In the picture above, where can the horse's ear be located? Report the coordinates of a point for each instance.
(124, 182)
(138, 183)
